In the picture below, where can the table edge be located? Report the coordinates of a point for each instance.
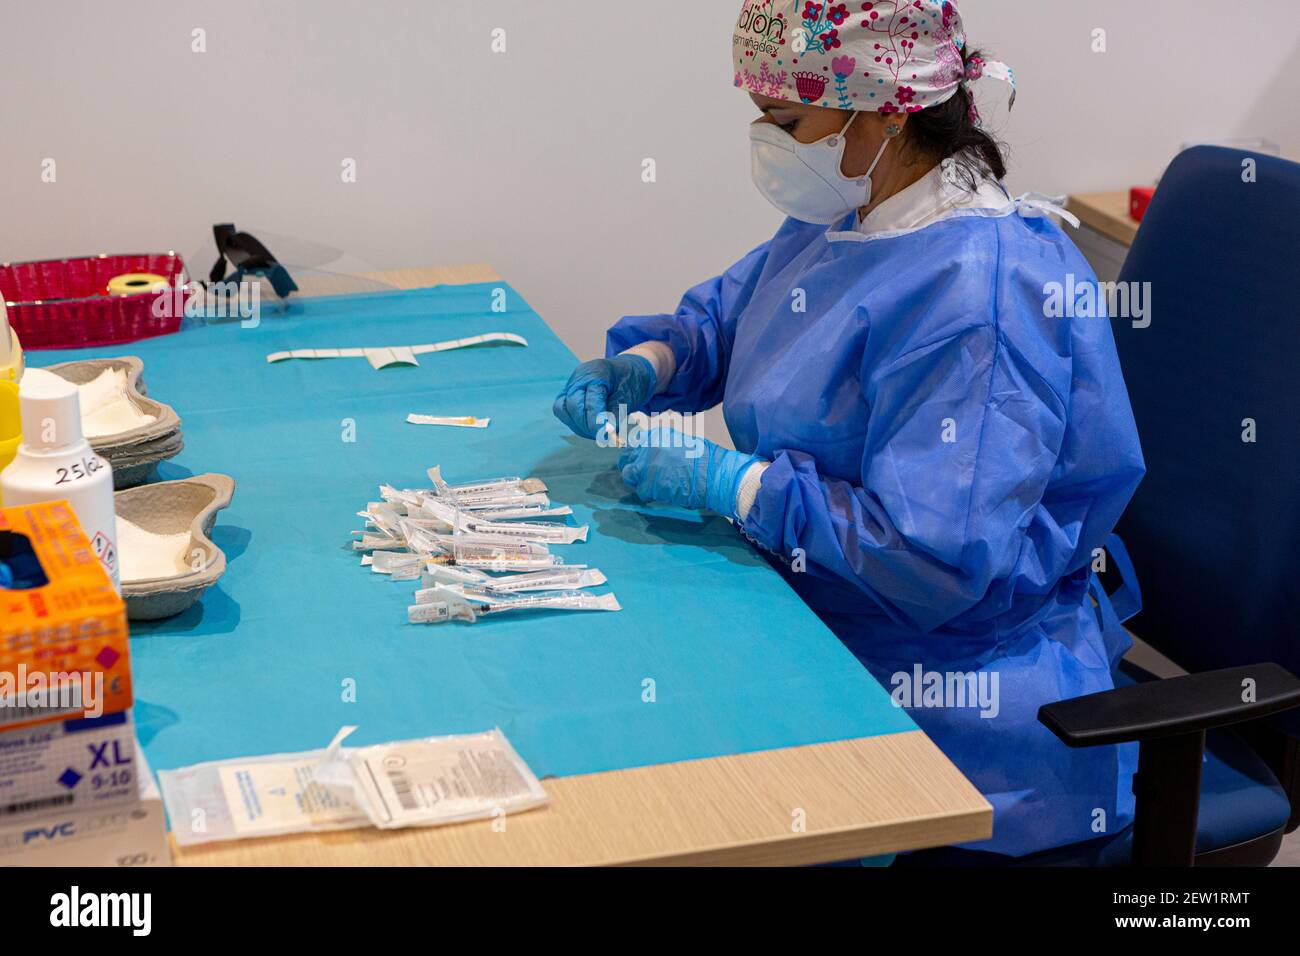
(594, 819)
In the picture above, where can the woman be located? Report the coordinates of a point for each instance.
(933, 461)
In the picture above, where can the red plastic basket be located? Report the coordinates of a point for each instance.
(62, 303)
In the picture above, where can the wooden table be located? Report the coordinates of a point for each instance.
(1107, 213)
(793, 806)
(1106, 230)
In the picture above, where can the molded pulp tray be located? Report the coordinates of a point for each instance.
(171, 507)
(132, 453)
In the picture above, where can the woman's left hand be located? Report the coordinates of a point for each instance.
(663, 464)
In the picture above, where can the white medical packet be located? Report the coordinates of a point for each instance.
(420, 782)
(264, 798)
(259, 796)
(444, 780)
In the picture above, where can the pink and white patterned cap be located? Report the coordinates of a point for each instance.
(887, 56)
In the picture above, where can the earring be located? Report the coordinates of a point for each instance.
(893, 129)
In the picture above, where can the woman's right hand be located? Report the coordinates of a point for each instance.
(601, 386)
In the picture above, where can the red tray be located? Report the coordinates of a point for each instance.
(62, 303)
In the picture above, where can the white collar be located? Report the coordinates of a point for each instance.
(933, 197)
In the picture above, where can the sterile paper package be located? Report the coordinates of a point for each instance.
(133, 834)
(256, 796)
(422, 782)
(444, 780)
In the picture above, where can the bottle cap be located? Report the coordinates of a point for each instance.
(51, 410)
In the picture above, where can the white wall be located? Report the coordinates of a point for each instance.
(532, 159)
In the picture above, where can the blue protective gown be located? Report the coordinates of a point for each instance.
(945, 460)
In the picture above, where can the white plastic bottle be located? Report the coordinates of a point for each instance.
(55, 462)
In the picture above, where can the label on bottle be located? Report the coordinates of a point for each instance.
(106, 550)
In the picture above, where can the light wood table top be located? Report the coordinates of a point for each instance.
(1107, 213)
(793, 806)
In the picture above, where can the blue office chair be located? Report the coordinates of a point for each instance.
(1214, 529)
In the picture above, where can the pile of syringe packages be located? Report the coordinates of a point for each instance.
(479, 549)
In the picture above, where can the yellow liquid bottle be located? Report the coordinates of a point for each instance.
(11, 352)
(11, 370)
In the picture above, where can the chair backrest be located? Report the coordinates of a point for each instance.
(1214, 530)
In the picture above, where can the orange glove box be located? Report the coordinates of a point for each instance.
(71, 630)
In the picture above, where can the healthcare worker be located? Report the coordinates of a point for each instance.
(929, 450)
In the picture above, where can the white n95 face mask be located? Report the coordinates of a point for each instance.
(803, 180)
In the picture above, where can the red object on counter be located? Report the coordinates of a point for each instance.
(1139, 197)
(61, 303)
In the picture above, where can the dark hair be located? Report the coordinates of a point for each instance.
(949, 130)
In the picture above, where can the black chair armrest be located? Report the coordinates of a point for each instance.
(1173, 706)
(1170, 718)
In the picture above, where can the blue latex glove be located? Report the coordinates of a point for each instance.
(683, 470)
(602, 385)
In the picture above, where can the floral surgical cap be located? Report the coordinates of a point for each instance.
(888, 56)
